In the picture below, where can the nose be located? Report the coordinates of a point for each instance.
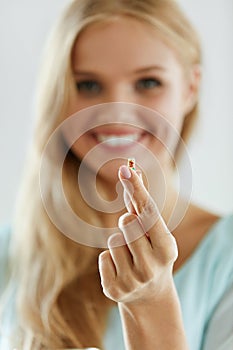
(120, 93)
(120, 109)
(120, 104)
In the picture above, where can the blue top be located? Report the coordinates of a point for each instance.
(204, 284)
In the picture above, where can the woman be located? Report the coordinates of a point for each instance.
(141, 55)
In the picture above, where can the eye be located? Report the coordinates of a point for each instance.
(148, 84)
(88, 87)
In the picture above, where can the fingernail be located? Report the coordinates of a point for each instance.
(125, 172)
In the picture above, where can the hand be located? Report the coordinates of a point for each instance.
(139, 262)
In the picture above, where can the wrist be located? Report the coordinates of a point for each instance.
(163, 301)
(154, 324)
(152, 294)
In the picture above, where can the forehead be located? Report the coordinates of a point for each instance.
(121, 40)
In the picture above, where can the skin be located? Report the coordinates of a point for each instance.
(137, 274)
(139, 68)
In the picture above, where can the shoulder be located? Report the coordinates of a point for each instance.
(205, 245)
(192, 231)
(219, 243)
(218, 238)
(210, 263)
(204, 280)
(218, 337)
(210, 237)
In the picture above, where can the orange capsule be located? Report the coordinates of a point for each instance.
(131, 163)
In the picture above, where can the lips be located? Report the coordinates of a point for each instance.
(118, 139)
(114, 140)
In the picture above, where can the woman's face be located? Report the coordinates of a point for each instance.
(126, 61)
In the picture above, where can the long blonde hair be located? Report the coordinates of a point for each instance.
(59, 300)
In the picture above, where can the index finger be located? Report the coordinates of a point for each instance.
(144, 205)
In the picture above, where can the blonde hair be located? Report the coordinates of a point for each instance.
(59, 298)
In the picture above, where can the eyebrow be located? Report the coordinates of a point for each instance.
(147, 69)
(140, 70)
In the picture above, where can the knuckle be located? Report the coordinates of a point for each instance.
(149, 215)
(112, 291)
(169, 250)
(117, 291)
(148, 208)
(126, 219)
(137, 186)
(145, 274)
(131, 227)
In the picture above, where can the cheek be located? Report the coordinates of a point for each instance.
(79, 148)
(72, 136)
(82, 149)
(76, 102)
(170, 104)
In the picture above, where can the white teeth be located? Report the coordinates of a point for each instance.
(116, 140)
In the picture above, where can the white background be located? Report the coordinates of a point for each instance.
(24, 26)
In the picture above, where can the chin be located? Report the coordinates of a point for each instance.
(109, 171)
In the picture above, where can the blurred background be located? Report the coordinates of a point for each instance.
(24, 26)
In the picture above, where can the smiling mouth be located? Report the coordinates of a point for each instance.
(122, 140)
